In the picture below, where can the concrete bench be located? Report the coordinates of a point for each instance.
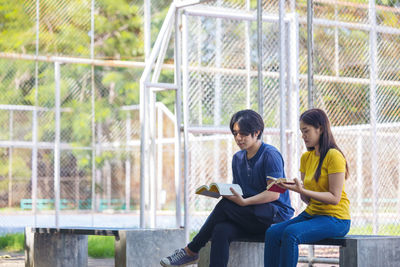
(59, 247)
(355, 251)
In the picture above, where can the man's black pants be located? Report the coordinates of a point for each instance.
(227, 222)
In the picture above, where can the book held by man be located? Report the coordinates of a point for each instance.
(273, 186)
(216, 190)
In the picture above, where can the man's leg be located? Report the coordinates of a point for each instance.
(243, 218)
(227, 211)
(222, 236)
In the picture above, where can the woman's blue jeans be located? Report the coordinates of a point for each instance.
(282, 239)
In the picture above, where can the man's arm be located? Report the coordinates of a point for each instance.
(274, 167)
(261, 198)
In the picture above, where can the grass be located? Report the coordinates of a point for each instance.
(384, 229)
(98, 246)
(101, 246)
(12, 242)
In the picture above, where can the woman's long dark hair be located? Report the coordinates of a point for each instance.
(317, 118)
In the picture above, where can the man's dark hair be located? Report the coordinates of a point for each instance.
(249, 122)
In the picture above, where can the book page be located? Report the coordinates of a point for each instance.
(224, 189)
(216, 190)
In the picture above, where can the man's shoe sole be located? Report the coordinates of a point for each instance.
(189, 263)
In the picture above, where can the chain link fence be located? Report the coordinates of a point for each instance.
(99, 128)
(356, 80)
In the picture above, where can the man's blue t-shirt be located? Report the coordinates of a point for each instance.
(252, 174)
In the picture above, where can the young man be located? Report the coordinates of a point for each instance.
(236, 216)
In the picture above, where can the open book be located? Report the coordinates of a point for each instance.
(218, 189)
(274, 187)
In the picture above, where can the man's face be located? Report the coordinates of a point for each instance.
(244, 139)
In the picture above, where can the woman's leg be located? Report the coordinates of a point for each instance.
(273, 238)
(313, 229)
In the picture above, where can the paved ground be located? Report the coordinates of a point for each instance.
(18, 260)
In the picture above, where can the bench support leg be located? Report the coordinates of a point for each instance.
(372, 252)
(145, 247)
(55, 250)
(240, 254)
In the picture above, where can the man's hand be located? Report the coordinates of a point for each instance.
(236, 198)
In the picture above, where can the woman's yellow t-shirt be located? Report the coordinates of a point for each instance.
(334, 162)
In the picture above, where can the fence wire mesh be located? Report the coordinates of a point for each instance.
(355, 81)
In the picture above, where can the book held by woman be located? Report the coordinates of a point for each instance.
(273, 186)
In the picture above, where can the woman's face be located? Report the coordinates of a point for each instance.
(244, 140)
(310, 134)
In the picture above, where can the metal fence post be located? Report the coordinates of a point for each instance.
(373, 115)
(57, 148)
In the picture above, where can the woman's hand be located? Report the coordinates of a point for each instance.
(296, 187)
(236, 198)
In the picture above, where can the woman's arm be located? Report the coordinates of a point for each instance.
(336, 181)
(303, 197)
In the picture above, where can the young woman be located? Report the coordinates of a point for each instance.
(323, 172)
(236, 216)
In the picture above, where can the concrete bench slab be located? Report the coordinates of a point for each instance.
(355, 251)
(59, 247)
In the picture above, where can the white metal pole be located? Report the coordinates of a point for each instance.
(128, 163)
(199, 62)
(217, 84)
(144, 149)
(260, 58)
(336, 44)
(160, 137)
(248, 57)
(292, 77)
(360, 180)
(185, 91)
(57, 150)
(161, 55)
(152, 158)
(93, 121)
(398, 179)
(295, 102)
(310, 53)
(152, 125)
(107, 167)
(10, 160)
(35, 122)
(147, 29)
(373, 70)
(282, 78)
(178, 123)
(217, 95)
